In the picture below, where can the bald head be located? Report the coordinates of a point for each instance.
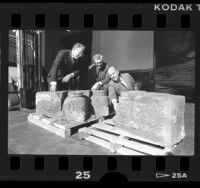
(113, 73)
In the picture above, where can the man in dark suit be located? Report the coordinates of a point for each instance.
(65, 71)
(98, 73)
(119, 82)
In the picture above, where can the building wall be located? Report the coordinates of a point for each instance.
(128, 50)
(175, 63)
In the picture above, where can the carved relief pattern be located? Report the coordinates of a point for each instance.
(100, 105)
(178, 119)
(75, 109)
(48, 105)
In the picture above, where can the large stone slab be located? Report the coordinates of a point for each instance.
(155, 116)
(50, 103)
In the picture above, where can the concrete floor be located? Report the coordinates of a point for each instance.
(27, 138)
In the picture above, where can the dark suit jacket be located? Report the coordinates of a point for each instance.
(63, 64)
(97, 75)
(115, 88)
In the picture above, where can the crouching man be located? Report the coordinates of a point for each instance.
(65, 71)
(99, 71)
(118, 83)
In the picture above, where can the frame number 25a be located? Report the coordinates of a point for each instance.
(179, 175)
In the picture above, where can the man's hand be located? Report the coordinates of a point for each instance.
(136, 86)
(96, 85)
(53, 88)
(67, 78)
(114, 102)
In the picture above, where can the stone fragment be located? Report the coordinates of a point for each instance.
(155, 116)
(75, 107)
(78, 105)
(50, 103)
(99, 101)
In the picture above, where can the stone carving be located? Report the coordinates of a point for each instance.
(78, 105)
(158, 114)
(75, 107)
(99, 101)
(50, 103)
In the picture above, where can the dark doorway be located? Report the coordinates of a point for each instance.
(25, 60)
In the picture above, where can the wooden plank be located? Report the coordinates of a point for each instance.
(109, 128)
(35, 115)
(83, 134)
(141, 147)
(47, 126)
(100, 142)
(108, 121)
(128, 151)
(115, 143)
(68, 128)
(49, 121)
(60, 126)
(97, 133)
(106, 127)
(86, 132)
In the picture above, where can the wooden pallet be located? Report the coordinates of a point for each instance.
(53, 125)
(119, 141)
(59, 128)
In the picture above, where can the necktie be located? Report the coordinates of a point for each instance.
(122, 82)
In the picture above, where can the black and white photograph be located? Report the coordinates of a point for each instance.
(101, 92)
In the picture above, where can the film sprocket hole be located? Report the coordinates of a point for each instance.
(99, 91)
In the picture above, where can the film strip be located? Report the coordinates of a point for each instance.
(88, 167)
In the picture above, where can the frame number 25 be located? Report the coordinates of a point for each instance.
(83, 175)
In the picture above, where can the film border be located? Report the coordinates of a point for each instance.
(100, 14)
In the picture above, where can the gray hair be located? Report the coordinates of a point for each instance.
(97, 57)
(79, 45)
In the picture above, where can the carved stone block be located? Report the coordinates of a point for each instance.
(99, 101)
(155, 116)
(50, 103)
(61, 103)
(75, 107)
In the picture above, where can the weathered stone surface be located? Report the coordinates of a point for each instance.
(64, 103)
(50, 103)
(75, 107)
(99, 101)
(130, 95)
(156, 116)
